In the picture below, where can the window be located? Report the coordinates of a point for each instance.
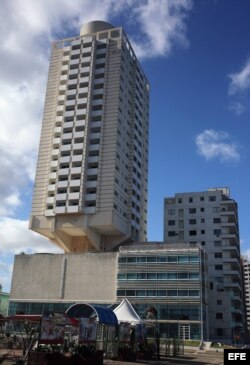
(190, 200)
(192, 210)
(192, 233)
(171, 211)
(201, 198)
(216, 209)
(216, 220)
(202, 209)
(219, 302)
(218, 255)
(202, 220)
(172, 233)
(179, 200)
(219, 315)
(192, 221)
(217, 232)
(218, 267)
(217, 243)
(211, 285)
(212, 198)
(220, 332)
(171, 222)
(182, 275)
(203, 231)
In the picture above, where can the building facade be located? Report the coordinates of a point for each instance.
(169, 278)
(91, 179)
(172, 280)
(210, 218)
(4, 302)
(246, 281)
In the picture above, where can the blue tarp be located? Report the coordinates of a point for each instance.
(104, 315)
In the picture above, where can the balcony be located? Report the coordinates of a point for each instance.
(81, 112)
(70, 103)
(79, 134)
(73, 209)
(74, 196)
(92, 159)
(57, 130)
(91, 184)
(77, 158)
(96, 124)
(75, 183)
(63, 78)
(99, 61)
(96, 113)
(65, 159)
(97, 102)
(67, 136)
(83, 90)
(61, 197)
(76, 170)
(50, 200)
(84, 80)
(65, 58)
(62, 184)
(56, 142)
(71, 92)
(94, 135)
(84, 69)
(90, 197)
(77, 146)
(99, 81)
(69, 113)
(86, 50)
(59, 210)
(74, 62)
(86, 59)
(60, 108)
(52, 176)
(75, 52)
(66, 147)
(53, 163)
(94, 147)
(63, 172)
(51, 187)
(62, 88)
(91, 172)
(82, 101)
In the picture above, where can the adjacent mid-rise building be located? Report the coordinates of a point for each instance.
(91, 179)
(210, 218)
(246, 282)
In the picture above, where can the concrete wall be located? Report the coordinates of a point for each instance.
(88, 277)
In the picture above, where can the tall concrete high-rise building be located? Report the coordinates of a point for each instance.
(91, 180)
(210, 218)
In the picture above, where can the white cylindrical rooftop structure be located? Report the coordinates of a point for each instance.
(94, 27)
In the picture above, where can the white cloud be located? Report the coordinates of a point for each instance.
(238, 89)
(162, 25)
(237, 107)
(213, 144)
(247, 254)
(15, 237)
(240, 81)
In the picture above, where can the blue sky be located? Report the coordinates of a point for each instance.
(196, 55)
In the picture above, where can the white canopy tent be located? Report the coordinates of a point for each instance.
(126, 313)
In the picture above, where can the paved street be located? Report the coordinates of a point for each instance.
(208, 358)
